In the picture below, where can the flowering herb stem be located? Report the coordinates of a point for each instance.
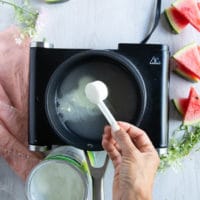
(25, 15)
(184, 140)
(16, 6)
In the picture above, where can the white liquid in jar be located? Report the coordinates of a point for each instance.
(56, 181)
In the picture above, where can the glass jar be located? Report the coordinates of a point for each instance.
(63, 175)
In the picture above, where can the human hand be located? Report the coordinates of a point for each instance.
(135, 162)
(14, 72)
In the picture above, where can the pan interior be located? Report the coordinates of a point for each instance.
(77, 114)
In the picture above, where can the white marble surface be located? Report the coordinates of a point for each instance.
(101, 25)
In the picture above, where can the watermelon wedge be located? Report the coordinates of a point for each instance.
(185, 73)
(176, 20)
(181, 105)
(190, 10)
(189, 107)
(189, 59)
(192, 113)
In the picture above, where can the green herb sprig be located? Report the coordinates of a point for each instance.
(183, 141)
(25, 15)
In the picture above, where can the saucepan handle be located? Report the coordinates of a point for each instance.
(98, 189)
(97, 178)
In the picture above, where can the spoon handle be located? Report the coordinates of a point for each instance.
(108, 115)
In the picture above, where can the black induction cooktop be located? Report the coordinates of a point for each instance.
(151, 62)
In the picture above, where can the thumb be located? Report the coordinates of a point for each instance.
(124, 141)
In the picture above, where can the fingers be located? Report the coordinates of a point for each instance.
(138, 137)
(125, 142)
(16, 154)
(129, 140)
(14, 68)
(110, 145)
(3, 96)
(14, 122)
(117, 142)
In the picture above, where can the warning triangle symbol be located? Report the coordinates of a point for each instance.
(155, 61)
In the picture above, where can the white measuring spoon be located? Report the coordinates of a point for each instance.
(96, 92)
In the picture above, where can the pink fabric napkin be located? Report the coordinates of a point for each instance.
(14, 70)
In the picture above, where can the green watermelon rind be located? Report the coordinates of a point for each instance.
(173, 26)
(185, 48)
(177, 106)
(186, 76)
(192, 95)
(172, 19)
(194, 23)
(187, 123)
(182, 104)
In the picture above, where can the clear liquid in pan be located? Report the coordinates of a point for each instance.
(70, 104)
(83, 118)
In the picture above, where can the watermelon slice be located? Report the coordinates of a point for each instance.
(189, 107)
(185, 73)
(176, 20)
(192, 113)
(189, 57)
(190, 10)
(182, 103)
